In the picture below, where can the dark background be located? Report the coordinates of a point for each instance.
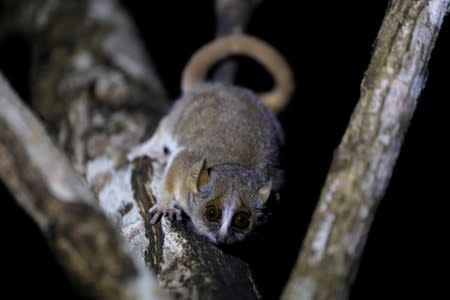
(329, 47)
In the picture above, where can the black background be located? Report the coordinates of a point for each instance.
(328, 46)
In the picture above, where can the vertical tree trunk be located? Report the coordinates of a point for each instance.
(363, 162)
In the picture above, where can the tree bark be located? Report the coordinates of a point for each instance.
(365, 158)
(99, 96)
(64, 208)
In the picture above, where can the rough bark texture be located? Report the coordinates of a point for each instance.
(99, 96)
(363, 162)
(62, 205)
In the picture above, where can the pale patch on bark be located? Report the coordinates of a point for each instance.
(321, 239)
(122, 44)
(44, 14)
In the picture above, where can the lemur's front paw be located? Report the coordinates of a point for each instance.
(169, 211)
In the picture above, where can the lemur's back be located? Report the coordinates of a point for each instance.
(227, 124)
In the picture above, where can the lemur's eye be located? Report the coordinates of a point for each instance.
(241, 220)
(212, 213)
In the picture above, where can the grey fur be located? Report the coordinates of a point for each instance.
(240, 140)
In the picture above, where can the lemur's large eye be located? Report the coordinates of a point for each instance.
(212, 213)
(241, 220)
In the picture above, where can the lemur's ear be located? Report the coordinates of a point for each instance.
(264, 191)
(198, 176)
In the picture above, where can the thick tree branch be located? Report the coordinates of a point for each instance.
(48, 188)
(99, 97)
(364, 160)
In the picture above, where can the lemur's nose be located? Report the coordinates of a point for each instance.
(221, 238)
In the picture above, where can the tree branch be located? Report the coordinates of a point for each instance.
(232, 16)
(47, 187)
(364, 160)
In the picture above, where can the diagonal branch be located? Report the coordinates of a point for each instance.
(364, 160)
(48, 188)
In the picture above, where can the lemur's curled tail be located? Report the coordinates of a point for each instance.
(240, 44)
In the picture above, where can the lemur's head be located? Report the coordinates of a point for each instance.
(226, 201)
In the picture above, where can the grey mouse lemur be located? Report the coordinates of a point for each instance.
(218, 147)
